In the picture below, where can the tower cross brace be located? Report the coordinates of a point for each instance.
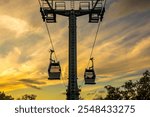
(95, 10)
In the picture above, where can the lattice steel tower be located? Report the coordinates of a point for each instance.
(72, 9)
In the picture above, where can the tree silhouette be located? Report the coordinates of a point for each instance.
(28, 97)
(143, 87)
(138, 90)
(113, 93)
(3, 96)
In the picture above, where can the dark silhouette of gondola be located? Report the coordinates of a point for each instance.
(54, 69)
(89, 74)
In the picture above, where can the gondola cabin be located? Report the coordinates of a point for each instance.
(54, 71)
(89, 76)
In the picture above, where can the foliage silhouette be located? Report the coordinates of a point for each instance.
(28, 97)
(138, 90)
(3, 96)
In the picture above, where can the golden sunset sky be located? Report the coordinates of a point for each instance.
(121, 53)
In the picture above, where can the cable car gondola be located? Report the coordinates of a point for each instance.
(89, 74)
(54, 69)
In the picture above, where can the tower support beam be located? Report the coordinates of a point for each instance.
(72, 91)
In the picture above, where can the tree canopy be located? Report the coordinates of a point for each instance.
(27, 97)
(138, 90)
(3, 96)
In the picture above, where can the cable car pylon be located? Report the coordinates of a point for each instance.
(49, 12)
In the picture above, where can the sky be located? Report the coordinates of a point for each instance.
(121, 52)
